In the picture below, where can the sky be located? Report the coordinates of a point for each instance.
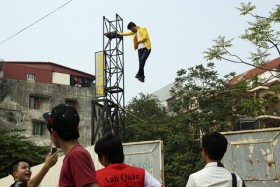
(180, 31)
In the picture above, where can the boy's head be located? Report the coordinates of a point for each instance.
(132, 26)
(215, 145)
(110, 148)
(20, 170)
(64, 120)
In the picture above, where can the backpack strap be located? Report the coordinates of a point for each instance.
(234, 180)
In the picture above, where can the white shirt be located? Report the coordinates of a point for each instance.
(150, 181)
(141, 45)
(212, 175)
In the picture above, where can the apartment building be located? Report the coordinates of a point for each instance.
(28, 89)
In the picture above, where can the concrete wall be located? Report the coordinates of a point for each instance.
(15, 111)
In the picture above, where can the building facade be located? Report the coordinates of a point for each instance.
(164, 96)
(263, 82)
(28, 89)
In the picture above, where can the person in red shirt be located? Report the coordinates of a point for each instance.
(117, 173)
(77, 169)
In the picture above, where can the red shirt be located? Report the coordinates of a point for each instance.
(120, 175)
(77, 169)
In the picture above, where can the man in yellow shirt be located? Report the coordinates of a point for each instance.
(141, 41)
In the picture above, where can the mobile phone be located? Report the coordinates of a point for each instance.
(53, 150)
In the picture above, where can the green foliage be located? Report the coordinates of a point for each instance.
(246, 8)
(203, 97)
(208, 103)
(145, 115)
(146, 120)
(182, 153)
(260, 33)
(204, 102)
(275, 15)
(219, 49)
(15, 146)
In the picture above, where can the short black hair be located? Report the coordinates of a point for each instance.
(215, 145)
(14, 165)
(111, 147)
(131, 24)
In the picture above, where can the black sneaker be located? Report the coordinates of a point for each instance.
(141, 79)
(137, 76)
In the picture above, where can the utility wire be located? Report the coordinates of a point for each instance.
(128, 112)
(35, 22)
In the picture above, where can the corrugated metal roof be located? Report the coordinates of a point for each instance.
(51, 64)
(256, 71)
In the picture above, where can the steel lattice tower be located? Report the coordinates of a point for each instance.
(108, 112)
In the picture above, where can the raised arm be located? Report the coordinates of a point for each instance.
(37, 179)
(129, 33)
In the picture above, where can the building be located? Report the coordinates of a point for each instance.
(164, 96)
(268, 74)
(261, 84)
(28, 89)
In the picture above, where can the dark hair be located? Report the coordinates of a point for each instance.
(64, 120)
(111, 147)
(14, 165)
(131, 24)
(215, 144)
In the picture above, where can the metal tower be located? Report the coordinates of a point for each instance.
(108, 113)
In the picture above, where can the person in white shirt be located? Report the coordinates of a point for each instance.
(214, 146)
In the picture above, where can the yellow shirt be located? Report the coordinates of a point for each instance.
(144, 37)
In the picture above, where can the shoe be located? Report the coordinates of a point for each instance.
(141, 79)
(137, 76)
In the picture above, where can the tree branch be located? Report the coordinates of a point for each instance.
(241, 61)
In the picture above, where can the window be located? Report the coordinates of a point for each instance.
(37, 128)
(39, 101)
(71, 102)
(31, 77)
(34, 102)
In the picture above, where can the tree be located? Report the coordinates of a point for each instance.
(204, 99)
(205, 102)
(146, 120)
(260, 33)
(182, 152)
(15, 146)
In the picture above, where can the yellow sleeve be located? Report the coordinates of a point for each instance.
(126, 33)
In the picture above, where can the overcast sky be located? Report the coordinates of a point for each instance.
(180, 30)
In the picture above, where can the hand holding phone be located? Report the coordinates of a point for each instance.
(53, 150)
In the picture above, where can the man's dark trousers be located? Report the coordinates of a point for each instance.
(143, 54)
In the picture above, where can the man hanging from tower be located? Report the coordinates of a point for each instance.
(141, 41)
